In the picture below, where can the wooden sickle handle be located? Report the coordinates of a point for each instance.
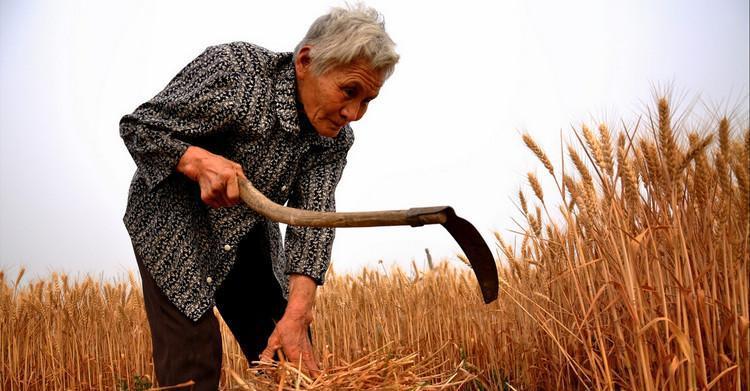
(463, 232)
(414, 217)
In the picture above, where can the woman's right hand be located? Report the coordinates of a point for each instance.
(216, 175)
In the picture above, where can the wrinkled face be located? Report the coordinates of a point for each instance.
(337, 97)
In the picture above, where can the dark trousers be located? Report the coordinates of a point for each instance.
(250, 301)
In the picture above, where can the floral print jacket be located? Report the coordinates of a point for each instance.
(236, 100)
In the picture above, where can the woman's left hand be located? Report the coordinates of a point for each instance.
(291, 332)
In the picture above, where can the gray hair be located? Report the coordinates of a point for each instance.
(347, 34)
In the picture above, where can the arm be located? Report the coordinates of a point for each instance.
(202, 100)
(291, 332)
(308, 251)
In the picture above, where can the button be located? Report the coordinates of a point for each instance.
(227, 247)
(209, 280)
(283, 188)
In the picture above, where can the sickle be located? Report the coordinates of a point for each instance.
(463, 232)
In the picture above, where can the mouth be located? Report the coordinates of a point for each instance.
(329, 128)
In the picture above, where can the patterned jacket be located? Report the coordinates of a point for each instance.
(236, 100)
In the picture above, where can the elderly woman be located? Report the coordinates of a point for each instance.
(282, 121)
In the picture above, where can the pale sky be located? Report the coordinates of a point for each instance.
(445, 129)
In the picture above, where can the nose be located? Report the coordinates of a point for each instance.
(352, 111)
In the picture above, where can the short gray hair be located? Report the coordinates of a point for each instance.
(347, 34)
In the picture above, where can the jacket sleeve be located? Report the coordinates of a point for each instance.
(200, 101)
(308, 249)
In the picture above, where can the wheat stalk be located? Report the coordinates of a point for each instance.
(605, 141)
(640, 289)
(532, 145)
(534, 183)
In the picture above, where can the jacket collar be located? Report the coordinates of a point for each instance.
(285, 103)
(285, 94)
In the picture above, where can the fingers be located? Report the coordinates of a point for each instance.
(213, 191)
(208, 196)
(292, 343)
(233, 185)
(308, 358)
(233, 191)
(219, 184)
(268, 352)
(300, 350)
(240, 172)
(272, 346)
(216, 176)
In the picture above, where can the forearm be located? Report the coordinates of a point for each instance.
(154, 152)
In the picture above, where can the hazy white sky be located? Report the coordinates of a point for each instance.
(445, 130)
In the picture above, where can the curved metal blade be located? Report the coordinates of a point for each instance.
(463, 232)
(476, 251)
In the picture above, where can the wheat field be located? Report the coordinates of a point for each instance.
(634, 275)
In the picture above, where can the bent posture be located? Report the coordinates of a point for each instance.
(280, 120)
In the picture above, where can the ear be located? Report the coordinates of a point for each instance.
(302, 62)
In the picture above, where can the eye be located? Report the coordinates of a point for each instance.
(350, 92)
